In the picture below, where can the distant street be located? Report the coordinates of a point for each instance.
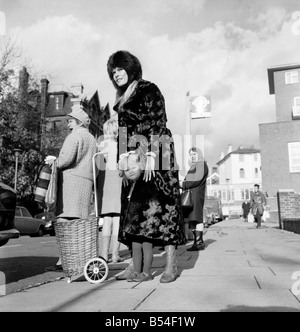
(24, 260)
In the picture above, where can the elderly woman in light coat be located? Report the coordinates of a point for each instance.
(75, 176)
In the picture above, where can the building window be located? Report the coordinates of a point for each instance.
(219, 194)
(247, 194)
(224, 195)
(241, 158)
(59, 102)
(256, 172)
(232, 194)
(291, 77)
(242, 173)
(242, 194)
(294, 157)
(256, 157)
(296, 107)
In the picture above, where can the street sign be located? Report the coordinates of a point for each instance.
(200, 107)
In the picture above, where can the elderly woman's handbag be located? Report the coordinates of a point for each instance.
(187, 199)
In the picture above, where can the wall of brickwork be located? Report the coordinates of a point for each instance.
(289, 210)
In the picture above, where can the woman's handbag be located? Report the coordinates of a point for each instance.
(43, 184)
(187, 199)
(51, 194)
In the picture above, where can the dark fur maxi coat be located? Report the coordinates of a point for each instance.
(154, 210)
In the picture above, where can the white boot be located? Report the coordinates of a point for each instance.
(105, 247)
(115, 249)
(170, 273)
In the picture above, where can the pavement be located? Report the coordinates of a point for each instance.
(242, 269)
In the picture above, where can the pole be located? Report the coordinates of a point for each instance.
(17, 152)
(16, 172)
(188, 132)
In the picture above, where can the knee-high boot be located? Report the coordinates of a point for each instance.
(198, 244)
(193, 247)
(170, 273)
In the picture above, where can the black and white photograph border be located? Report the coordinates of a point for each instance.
(239, 59)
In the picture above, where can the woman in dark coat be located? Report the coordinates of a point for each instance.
(196, 181)
(143, 127)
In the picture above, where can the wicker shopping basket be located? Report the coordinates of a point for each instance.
(78, 242)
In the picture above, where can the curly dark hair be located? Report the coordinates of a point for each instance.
(128, 62)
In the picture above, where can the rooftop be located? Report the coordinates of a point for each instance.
(274, 69)
(239, 151)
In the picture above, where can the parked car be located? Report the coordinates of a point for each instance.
(208, 215)
(27, 225)
(215, 206)
(49, 217)
(8, 199)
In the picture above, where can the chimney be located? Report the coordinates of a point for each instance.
(44, 101)
(77, 89)
(222, 155)
(23, 97)
(44, 96)
(23, 84)
(229, 149)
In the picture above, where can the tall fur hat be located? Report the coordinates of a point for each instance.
(126, 61)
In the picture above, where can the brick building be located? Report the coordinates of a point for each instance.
(280, 141)
(56, 104)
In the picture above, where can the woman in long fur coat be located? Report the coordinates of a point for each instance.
(143, 127)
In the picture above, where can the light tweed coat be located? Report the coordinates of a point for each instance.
(75, 180)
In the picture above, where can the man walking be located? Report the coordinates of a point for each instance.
(258, 203)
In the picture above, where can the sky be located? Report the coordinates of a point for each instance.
(220, 48)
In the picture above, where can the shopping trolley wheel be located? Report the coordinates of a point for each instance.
(96, 270)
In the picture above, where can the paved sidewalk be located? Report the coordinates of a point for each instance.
(242, 269)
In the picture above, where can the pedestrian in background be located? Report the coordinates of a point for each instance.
(111, 191)
(258, 205)
(246, 210)
(196, 181)
(141, 111)
(75, 171)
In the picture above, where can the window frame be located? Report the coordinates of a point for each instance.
(290, 77)
(242, 173)
(296, 106)
(294, 168)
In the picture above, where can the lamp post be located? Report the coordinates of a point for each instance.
(17, 153)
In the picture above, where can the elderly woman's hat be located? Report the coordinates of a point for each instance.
(81, 115)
